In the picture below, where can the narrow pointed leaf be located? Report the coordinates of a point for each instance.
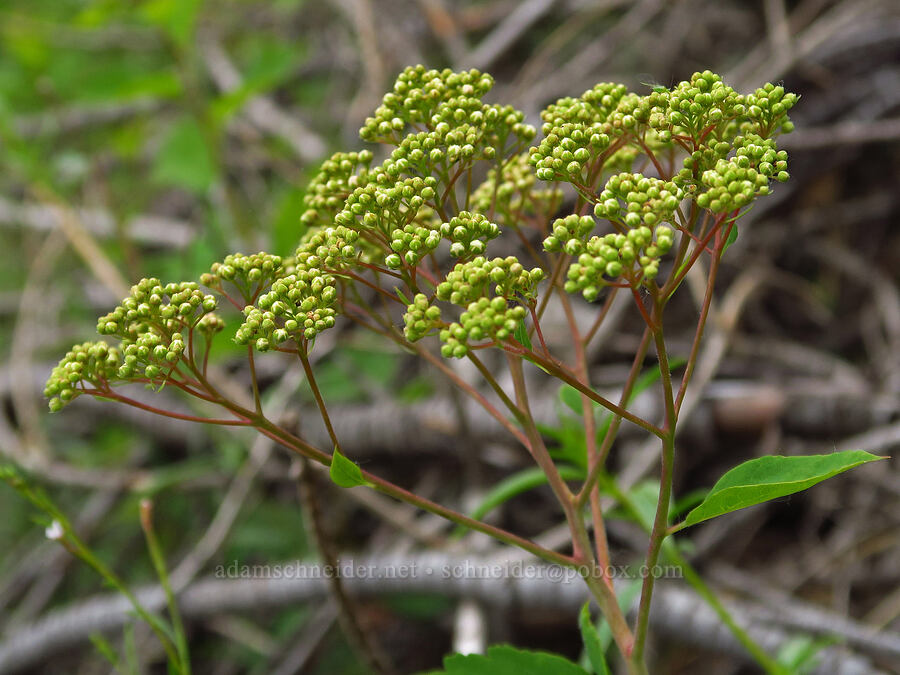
(521, 335)
(516, 484)
(592, 643)
(766, 478)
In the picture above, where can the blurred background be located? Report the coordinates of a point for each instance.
(151, 138)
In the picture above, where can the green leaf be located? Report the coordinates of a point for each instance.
(345, 473)
(625, 600)
(267, 63)
(592, 644)
(505, 660)
(732, 237)
(801, 654)
(83, 77)
(416, 389)
(101, 644)
(516, 484)
(570, 397)
(184, 159)
(378, 365)
(639, 502)
(766, 478)
(286, 228)
(401, 295)
(571, 446)
(686, 502)
(521, 335)
(176, 17)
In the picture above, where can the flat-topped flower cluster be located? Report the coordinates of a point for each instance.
(459, 173)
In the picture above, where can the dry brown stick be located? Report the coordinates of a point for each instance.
(778, 27)
(884, 291)
(537, 64)
(84, 244)
(677, 611)
(30, 321)
(761, 65)
(444, 27)
(308, 639)
(360, 15)
(504, 35)
(145, 229)
(850, 132)
(348, 616)
(588, 59)
(260, 110)
(237, 492)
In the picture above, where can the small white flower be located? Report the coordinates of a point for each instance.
(55, 531)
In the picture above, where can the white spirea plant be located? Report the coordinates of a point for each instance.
(655, 184)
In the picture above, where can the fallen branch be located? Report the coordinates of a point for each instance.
(145, 229)
(677, 612)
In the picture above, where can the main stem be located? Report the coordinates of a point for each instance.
(660, 522)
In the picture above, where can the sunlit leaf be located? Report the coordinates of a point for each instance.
(766, 478)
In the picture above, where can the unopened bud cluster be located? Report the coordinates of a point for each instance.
(336, 179)
(391, 210)
(692, 108)
(487, 316)
(247, 272)
(576, 131)
(634, 256)
(647, 201)
(569, 234)
(718, 146)
(470, 280)
(735, 182)
(152, 323)
(483, 319)
(93, 362)
(154, 307)
(469, 233)
(420, 318)
(417, 95)
(298, 307)
(328, 247)
(767, 107)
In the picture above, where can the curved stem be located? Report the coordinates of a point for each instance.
(301, 447)
(165, 413)
(320, 402)
(349, 617)
(601, 315)
(568, 378)
(538, 449)
(616, 421)
(698, 334)
(254, 381)
(590, 436)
